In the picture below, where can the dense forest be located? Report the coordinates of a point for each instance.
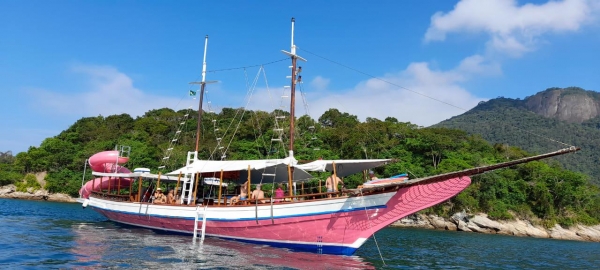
(536, 189)
(507, 121)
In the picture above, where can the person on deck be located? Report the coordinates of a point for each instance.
(372, 176)
(279, 194)
(258, 194)
(332, 182)
(159, 197)
(170, 197)
(243, 194)
(244, 191)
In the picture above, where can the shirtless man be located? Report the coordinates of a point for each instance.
(372, 176)
(332, 183)
(243, 194)
(170, 197)
(159, 197)
(258, 194)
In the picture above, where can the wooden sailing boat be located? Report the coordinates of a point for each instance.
(318, 222)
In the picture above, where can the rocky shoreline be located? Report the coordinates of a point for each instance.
(10, 191)
(482, 224)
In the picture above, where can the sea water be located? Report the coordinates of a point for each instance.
(37, 234)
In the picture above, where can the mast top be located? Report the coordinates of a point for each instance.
(292, 52)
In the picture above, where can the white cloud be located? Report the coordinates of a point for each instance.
(108, 91)
(423, 104)
(513, 29)
(319, 83)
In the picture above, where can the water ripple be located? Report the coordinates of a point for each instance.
(63, 235)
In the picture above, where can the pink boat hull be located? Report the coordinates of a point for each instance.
(340, 232)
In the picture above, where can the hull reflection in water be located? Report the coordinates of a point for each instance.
(111, 245)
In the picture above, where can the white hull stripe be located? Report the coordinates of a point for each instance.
(246, 219)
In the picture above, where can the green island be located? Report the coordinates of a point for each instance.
(540, 190)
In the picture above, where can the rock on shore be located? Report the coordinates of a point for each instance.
(482, 224)
(10, 191)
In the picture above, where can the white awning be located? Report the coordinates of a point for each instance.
(343, 167)
(207, 166)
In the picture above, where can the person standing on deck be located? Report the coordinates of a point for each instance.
(332, 182)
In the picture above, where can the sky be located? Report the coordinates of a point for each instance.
(418, 61)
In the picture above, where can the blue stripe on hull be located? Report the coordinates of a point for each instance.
(311, 247)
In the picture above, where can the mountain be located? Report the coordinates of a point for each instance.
(546, 121)
(573, 104)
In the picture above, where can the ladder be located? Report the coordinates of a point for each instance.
(175, 139)
(187, 189)
(203, 229)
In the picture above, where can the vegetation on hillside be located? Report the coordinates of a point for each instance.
(506, 121)
(538, 189)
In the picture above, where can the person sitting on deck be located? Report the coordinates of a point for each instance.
(332, 182)
(170, 197)
(258, 194)
(279, 194)
(372, 176)
(159, 197)
(243, 194)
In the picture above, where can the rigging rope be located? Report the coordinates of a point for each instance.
(369, 219)
(249, 98)
(419, 93)
(245, 67)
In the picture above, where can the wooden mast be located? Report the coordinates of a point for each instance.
(200, 111)
(201, 99)
(295, 78)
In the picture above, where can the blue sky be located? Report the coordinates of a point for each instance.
(64, 60)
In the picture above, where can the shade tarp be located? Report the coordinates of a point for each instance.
(343, 167)
(207, 166)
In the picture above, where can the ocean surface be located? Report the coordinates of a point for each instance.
(46, 235)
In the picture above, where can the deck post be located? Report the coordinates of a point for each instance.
(158, 181)
(140, 189)
(249, 191)
(220, 185)
(320, 188)
(290, 191)
(177, 187)
(196, 186)
(131, 188)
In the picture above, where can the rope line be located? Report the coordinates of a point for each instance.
(244, 67)
(369, 219)
(385, 81)
(421, 94)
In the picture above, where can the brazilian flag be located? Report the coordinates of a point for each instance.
(192, 93)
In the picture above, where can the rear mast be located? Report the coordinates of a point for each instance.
(295, 78)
